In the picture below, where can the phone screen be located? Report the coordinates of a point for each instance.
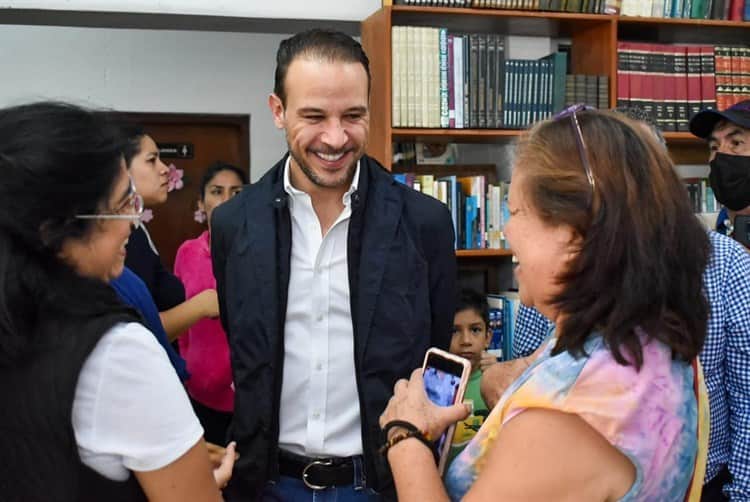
(442, 378)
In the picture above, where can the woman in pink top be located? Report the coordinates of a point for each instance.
(205, 347)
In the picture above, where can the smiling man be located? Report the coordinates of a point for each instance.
(333, 281)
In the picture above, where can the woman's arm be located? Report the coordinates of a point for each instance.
(188, 477)
(539, 455)
(178, 319)
(543, 455)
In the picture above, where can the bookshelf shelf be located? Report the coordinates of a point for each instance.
(499, 13)
(659, 21)
(483, 253)
(681, 137)
(456, 135)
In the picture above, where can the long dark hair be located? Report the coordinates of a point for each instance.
(215, 169)
(132, 134)
(57, 160)
(643, 252)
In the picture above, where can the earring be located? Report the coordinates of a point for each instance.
(199, 216)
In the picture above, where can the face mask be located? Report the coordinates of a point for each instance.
(730, 180)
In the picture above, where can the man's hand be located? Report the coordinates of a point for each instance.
(487, 360)
(498, 377)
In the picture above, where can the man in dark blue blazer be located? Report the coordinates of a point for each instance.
(333, 281)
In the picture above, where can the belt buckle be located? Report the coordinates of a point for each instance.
(325, 462)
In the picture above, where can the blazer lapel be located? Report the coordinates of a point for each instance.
(381, 219)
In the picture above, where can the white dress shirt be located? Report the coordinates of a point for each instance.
(319, 413)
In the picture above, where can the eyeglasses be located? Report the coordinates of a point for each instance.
(582, 150)
(131, 209)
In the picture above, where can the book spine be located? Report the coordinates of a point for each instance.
(473, 80)
(411, 76)
(451, 70)
(458, 79)
(466, 81)
(491, 101)
(723, 76)
(482, 82)
(500, 78)
(444, 91)
(708, 77)
(396, 76)
(693, 55)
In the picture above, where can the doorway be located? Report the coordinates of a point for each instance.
(191, 143)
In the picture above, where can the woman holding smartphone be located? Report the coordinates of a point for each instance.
(612, 408)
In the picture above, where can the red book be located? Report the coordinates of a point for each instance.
(623, 73)
(735, 10)
(681, 101)
(693, 55)
(708, 77)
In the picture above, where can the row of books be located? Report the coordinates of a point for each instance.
(732, 10)
(478, 209)
(447, 80)
(732, 65)
(701, 195)
(503, 313)
(450, 80)
(579, 6)
(673, 82)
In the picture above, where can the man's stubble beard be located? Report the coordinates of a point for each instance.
(346, 180)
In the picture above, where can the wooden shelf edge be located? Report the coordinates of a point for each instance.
(682, 21)
(682, 137)
(482, 253)
(456, 133)
(464, 11)
(572, 16)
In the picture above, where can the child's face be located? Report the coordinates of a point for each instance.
(470, 336)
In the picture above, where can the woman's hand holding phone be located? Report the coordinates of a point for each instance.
(411, 404)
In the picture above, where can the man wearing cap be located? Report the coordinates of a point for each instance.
(728, 135)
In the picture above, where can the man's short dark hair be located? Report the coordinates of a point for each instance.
(326, 45)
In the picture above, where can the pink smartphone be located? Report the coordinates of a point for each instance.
(445, 377)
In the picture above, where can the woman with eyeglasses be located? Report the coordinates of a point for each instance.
(150, 176)
(90, 407)
(611, 406)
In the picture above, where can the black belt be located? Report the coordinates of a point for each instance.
(317, 473)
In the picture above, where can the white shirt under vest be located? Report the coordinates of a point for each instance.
(319, 413)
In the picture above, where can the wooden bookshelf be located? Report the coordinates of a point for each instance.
(597, 33)
(594, 51)
(593, 39)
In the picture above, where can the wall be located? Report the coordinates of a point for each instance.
(348, 10)
(148, 71)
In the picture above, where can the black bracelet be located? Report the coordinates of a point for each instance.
(412, 431)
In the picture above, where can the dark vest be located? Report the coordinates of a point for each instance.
(39, 459)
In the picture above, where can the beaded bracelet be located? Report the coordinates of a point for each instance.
(412, 431)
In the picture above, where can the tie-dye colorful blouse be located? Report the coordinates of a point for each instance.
(651, 416)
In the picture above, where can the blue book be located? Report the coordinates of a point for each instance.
(470, 225)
